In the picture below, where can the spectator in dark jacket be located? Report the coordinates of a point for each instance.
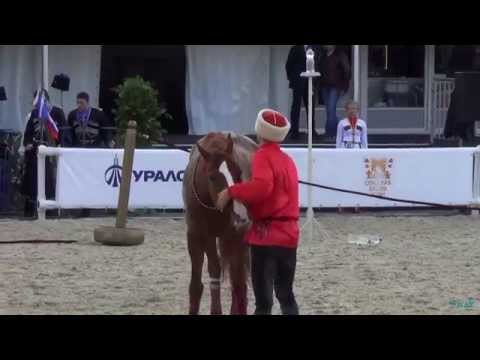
(334, 82)
(89, 126)
(89, 129)
(296, 64)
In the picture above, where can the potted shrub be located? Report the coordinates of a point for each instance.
(11, 177)
(137, 100)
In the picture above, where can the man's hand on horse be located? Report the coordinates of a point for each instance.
(223, 200)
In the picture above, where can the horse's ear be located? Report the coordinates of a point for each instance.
(229, 144)
(203, 152)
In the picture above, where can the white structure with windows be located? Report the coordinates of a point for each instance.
(398, 86)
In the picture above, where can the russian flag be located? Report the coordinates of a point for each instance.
(43, 111)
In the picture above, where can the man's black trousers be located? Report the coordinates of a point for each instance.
(273, 268)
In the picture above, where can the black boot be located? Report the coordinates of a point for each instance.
(30, 210)
(290, 309)
(51, 214)
(85, 213)
(263, 311)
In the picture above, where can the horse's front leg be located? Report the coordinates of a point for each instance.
(196, 252)
(238, 278)
(215, 271)
(239, 297)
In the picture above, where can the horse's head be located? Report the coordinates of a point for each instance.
(220, 167)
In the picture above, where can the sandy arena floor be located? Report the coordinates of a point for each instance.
(425, 265)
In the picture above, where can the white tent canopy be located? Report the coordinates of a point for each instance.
(227, 85)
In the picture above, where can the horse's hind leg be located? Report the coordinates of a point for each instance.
(196, 251)
(214, 270)
(239, 290)
(238, 277)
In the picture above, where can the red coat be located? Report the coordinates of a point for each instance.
(271, 198)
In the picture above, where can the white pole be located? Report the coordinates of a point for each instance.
(356, 73)
(45, 67)
(41, 182)
(310, 74)
(41, 157)
(476, 181)
(310, 214)
(476, 176)
(429, 89)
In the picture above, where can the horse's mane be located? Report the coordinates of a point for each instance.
(243, 149)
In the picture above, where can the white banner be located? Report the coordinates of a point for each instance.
(89, 178)
(441, 176)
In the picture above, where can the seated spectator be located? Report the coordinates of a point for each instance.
(88, 125)
(89, 129)
(352, 131)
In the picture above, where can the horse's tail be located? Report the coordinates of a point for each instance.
(248, 266)
(224, 259)
(229, 250)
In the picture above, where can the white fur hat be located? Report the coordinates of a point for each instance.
(272, 125)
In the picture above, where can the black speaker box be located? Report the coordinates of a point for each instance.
(467, 97)
(61, 82)
(3, 94)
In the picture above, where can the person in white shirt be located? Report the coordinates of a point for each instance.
(352, 131)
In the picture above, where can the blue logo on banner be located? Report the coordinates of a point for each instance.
(113, 175)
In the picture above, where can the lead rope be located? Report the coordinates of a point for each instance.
(331, 188)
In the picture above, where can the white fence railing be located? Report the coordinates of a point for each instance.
(442, 91)
(89, 178)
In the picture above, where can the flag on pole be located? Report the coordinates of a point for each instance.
(43, 107)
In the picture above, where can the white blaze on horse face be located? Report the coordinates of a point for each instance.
(228, 176)
(238, 208)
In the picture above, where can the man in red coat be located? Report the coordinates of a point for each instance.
(272, 200)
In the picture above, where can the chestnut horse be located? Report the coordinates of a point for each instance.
(218, 160)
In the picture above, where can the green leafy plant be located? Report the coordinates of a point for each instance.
(137, 100)
(14, 162)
